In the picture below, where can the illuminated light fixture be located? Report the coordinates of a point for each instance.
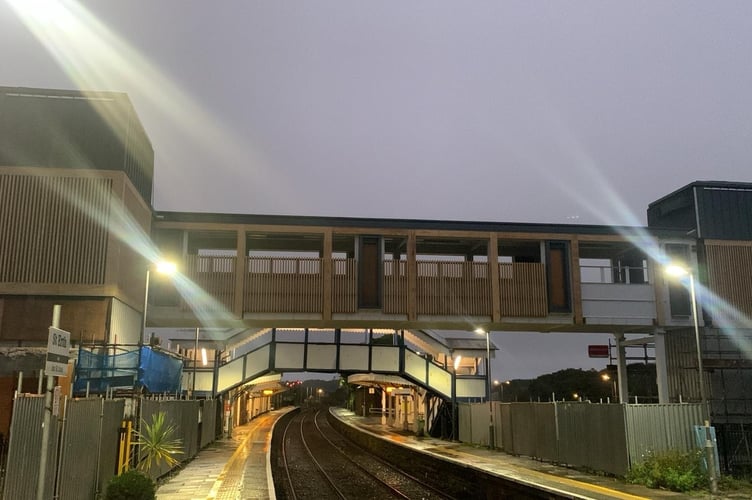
(166, 267)
(389, 389)
(678, 271)
(491, 440)
(457, 361)
(162, 267)
(268, 392)
(204, 361)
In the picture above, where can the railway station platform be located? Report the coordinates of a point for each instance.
(232, 468)
(238, 467)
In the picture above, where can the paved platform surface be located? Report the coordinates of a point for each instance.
(238, 467)
(233, 468)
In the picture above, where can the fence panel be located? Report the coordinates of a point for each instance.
(522, 286)
(344, 286)
(114, 412)
(184, 416)
(208, 421)
(395, 286)
(216, 276)
(656, 428)
(81, 440)
(284, 284)
(25, 447)
(453, 288)
(593, 436)
(90, 424)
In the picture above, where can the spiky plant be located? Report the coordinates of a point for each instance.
(157, 443)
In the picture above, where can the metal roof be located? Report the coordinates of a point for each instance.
(383, 223)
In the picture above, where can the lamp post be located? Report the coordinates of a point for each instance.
(491, 441)
(162, 267)
(678, 271)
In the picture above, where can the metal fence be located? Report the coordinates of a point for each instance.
(89, 446)
(25, 449)
(3, 460)
(183, 414)
(603, 437)
(84, 442)
(735, 448)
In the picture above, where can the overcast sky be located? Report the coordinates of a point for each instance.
(505, 111)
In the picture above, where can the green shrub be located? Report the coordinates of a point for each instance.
(673, 470)
(157, 443)
(130, 485)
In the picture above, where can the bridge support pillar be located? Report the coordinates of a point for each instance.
(621, 368)
(661, 371)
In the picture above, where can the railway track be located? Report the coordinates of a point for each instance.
(315, 461)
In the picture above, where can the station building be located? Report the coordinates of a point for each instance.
(79, 229)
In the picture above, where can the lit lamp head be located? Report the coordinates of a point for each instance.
(457, 361)
(165, 267)
(676, 270)
(480, 331)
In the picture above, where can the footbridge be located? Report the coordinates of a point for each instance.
(443, 370)
(263, 273)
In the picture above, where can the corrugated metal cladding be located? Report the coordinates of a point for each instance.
(593, 436)
(725, 212)
(91, 424)
(182, 414)
(208, 421)
(25, 450)
(67, 129)
(655, 428)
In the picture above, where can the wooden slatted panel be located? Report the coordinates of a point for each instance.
(395, 287)
(453, 288)
(345, 286)
(730, 279)
(284, 284)
(523, 289)
(215, 276)
(54, 229)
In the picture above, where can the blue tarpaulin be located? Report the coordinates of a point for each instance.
(155, 371)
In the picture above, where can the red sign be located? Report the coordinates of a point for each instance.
(597, 351)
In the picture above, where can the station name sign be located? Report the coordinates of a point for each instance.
(58, 352)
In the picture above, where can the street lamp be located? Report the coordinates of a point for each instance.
(491, 441)
(678, 271)
(162, 267)
(607, 378)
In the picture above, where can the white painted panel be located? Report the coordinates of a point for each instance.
(257, 362)
(613, 303)
(353, 357)
(385, 359)
(471, 387)
(230, 374)
(322, 357)
(125, 324)
(204, 380)
(415, 366)
(289, 356)
(440, 380)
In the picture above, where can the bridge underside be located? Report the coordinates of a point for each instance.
(270, 352)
